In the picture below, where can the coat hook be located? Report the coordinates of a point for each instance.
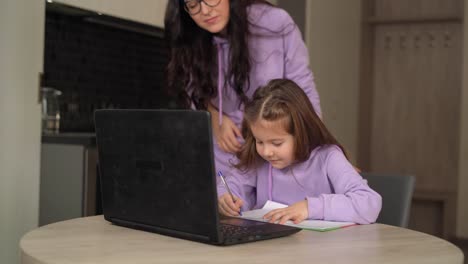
(447, 39)
(402, 41)
(431, 40)
(417, 39)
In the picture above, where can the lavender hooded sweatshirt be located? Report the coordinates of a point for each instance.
(330, 184)
(277, 51)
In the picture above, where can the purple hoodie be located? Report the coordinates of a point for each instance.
(277, 51)
(332, 187)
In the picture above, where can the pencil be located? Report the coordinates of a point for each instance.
(220, 174)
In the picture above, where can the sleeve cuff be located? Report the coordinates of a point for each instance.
(315, 207)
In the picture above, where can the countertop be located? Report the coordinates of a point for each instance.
(72, 138)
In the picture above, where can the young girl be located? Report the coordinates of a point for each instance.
(222, 50)
(290, 157)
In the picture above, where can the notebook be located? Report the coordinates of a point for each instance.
(314, 225)
(157, 174)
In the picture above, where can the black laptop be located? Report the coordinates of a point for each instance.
(157, 174)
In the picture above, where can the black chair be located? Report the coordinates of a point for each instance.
(396, 192)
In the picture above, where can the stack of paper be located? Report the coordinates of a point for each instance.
(316, 225)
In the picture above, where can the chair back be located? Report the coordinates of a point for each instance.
(396, 192)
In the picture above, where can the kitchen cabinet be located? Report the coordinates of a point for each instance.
(146, 11)
(68, 177)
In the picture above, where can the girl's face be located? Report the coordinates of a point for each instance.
(212, 16)
(273, 143)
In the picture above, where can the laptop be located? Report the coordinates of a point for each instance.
(157, 174)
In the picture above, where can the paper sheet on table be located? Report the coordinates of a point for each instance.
(316, 225)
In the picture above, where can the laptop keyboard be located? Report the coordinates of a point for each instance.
(240, 231)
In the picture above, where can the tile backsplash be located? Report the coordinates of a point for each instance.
(102, 65)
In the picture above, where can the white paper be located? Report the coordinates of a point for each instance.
(317, 225)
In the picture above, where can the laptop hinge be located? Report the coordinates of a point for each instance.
(160, 230)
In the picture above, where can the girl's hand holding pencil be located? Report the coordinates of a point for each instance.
(229, 204)
(229, 207)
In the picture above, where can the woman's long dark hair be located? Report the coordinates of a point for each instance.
(193, 56)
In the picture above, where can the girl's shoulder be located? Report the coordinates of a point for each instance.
(320, 157)
(264, 18)
(326, 151)
(327, 155)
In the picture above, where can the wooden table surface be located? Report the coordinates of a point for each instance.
(94, 240)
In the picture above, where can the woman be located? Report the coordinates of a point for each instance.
(221, 51)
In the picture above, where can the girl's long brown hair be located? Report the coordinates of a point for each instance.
(283, 100)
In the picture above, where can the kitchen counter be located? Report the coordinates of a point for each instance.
(85, 139)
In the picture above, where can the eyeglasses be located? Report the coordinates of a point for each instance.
(193, 7)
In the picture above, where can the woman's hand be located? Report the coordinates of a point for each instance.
(297, 213)
(228, 207)
(225, 134)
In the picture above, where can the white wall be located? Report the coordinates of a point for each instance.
(145, 11)
(462, 210)
(333, 38)
(21, 49)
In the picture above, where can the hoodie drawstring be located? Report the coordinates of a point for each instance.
(220, 83)
(270, 180)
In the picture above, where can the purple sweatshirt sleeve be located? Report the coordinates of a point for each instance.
(297, 64)
(242, 185)
(353, 200)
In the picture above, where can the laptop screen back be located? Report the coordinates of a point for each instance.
(148, 159)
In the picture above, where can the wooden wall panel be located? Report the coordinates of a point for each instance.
(417, 8)
(411, 73)
(415, 103)
(427, 217)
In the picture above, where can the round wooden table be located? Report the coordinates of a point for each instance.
(94, 240)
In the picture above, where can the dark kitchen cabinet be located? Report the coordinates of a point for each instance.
(68, 177)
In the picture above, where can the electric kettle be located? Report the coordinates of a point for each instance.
(50, 110)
